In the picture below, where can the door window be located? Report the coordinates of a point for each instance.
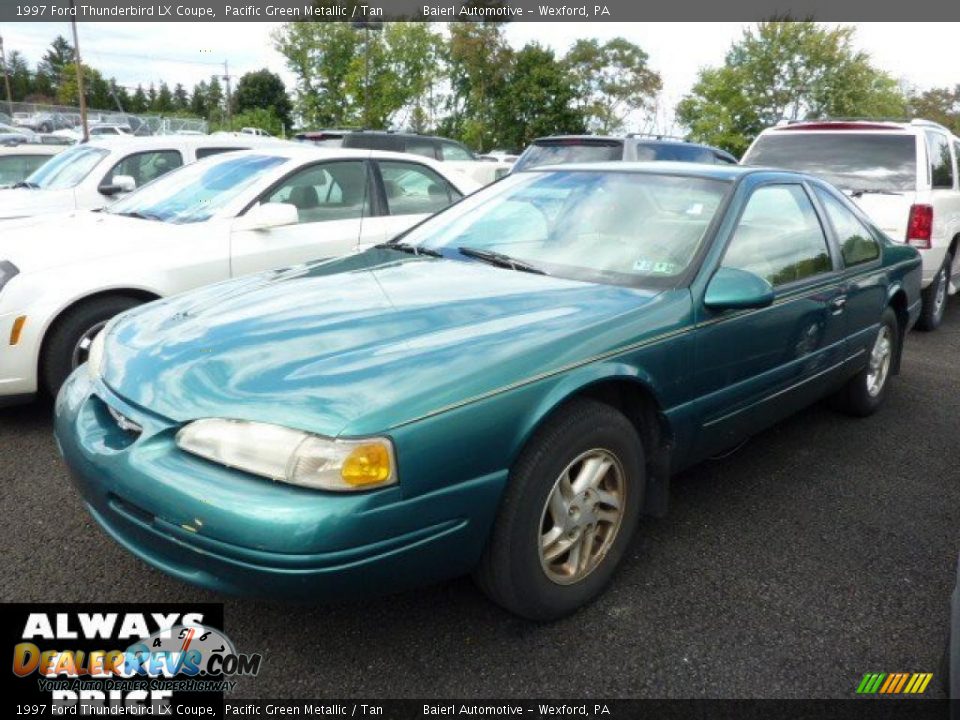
(146, 166)
(421, 146)
(453, 151)
(331, 191)
(779, 237)
(857, 243)
(941, 164)
(414, 189)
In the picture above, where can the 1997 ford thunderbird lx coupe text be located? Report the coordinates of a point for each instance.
(504, 389)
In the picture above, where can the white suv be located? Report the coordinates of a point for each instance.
(903, 175)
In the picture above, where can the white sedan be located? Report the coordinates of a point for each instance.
(206, 222)
(91, 175)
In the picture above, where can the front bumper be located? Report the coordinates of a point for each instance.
(18, 363)
(229, 531)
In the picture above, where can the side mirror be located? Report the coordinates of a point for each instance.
(268, 215)
(733, 289)
(118, 184)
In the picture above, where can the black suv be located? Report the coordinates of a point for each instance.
(436, 148)
(563, 149)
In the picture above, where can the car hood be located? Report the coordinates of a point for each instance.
(24, 202)
(44, 243)
(360, 344)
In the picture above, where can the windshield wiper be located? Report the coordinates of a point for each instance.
(25, 184)
(408, 248)
(500, 260)
(138, 215)
(860, 192)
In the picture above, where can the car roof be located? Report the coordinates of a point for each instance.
(32, 149)
(135, 142)
(856, 124)
(683, 169)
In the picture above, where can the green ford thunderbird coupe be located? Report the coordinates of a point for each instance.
(503, 390)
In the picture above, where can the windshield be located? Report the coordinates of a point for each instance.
(564, 152)
(851, 161)
(618, 228)
(195, 192)
(674, 152)
(67, 169)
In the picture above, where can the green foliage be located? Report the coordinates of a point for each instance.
(612, 81)
(940, 105)
(263, 118)
(263, 90)
(786, 70)
(539, 102)
(57, 61)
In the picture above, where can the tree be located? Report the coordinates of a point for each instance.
(95, 89)
(612, 81)
(263, 90)
(181, 101)
(940, 105)
(138, 102)
(164, 101)
(263, 118)
(57, 60)
(479, 59)
(198, 100)
(214, 99)
(19, 71)
(786, 70)
(540, 100)
(320, 55)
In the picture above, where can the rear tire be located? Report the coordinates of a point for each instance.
(66, 342)
(935, 297)
(864, 393)
(567, 516)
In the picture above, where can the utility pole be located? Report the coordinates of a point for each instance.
(367, 26)
(226, 79)
(76, 56)
(6, 79)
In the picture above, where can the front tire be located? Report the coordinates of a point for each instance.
(569, 511)
(864, 393)
(934, 298)
(69, 339)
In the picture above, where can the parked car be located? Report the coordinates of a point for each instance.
(43, 122)
(323, 138)
(110, 129)
(13, 135)
(564, 149)
(91, 175)
(902, 174)
(227, 216)
(504, 389)
(457, 155)
(19, 161)
(255, 131)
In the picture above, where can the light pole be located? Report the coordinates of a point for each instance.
(367, 26)
(76, 57)
(6, 78)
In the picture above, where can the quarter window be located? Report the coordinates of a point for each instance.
(332, 191)
(779, 237)
(414, 189)
(941, 164)
(147, 166)
(421, 146)
(857, 243)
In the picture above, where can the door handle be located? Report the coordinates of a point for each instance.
(838, 304)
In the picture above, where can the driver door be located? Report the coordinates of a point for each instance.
(754, 367)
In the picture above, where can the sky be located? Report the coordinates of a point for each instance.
(133, 53)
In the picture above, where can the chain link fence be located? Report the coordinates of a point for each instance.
(57, 118)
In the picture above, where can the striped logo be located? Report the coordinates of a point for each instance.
(894, 683)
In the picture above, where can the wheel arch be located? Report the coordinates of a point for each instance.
(897, 300)
(144, 295)
(634, 393)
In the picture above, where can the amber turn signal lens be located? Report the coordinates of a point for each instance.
(17, 329)
(367, 464)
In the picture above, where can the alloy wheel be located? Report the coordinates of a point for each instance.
(880, 359)
(81, 350)
(582, 516)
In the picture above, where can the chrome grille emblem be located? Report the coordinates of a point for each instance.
(124, 423)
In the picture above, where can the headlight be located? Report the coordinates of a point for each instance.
(95, 355)
(292, 456)
(7, 271)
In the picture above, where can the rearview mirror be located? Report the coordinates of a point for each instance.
(118, 184)
(268, 215)
(734, 289)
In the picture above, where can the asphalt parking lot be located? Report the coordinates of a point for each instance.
(823, 549)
